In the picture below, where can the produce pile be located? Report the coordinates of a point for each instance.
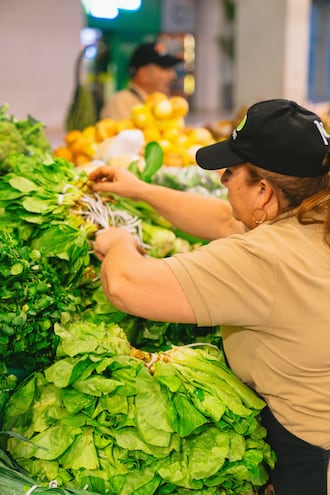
(159, 119)
(110, 401)
(21, 136)
(48, 272)
(118, 421)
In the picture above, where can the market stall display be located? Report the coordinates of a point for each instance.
(51, 297)
(160, 119)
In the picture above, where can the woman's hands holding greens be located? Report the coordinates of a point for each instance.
(117, 180)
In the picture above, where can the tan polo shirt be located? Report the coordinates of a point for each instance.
(120, 104)
(269, 289)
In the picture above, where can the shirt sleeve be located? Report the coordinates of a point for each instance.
(230, 281)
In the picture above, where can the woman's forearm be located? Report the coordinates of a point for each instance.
(137, 284)
(202, 216)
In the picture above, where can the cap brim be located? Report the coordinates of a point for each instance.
(168, 61)
(217, 156)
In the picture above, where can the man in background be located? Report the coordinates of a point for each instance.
(151, 69)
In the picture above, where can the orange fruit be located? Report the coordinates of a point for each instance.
(63, 152)
(81, 159)
(77, 146)
(72, 136)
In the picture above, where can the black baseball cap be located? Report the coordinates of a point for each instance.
(277, 135)
(152, 53)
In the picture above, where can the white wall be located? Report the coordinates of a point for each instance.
(39, 43)
(209, 74)
(272, 43)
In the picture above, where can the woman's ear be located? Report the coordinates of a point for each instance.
(266, 193)
(267, 199)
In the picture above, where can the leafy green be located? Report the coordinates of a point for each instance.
(101, 416)
(159, 241)
(15, 481)
(32, 298)
(20, 136)
(8, 383)
(32, 131)
(10, 139)
(153, 160)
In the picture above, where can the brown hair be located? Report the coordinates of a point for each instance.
(309, 196)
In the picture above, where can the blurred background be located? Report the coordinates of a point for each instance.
(235, 52)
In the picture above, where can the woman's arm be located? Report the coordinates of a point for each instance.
(202, 216)
(139, 285)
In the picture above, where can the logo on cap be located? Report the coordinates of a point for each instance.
(239, 127)
(324, 135)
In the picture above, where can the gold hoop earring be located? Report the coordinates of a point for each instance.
(264, 216)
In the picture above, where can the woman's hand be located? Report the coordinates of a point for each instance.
(137, 284)
(107, 239)
(117, 180)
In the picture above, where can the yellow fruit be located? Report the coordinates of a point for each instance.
(88, 133)
(151, 134)
(141, 116)
(162, 109)
(176, 158)
(180, 106)
(105, 128)
(171, 134)
(171, 124)
(184, 140)
(89, 149)
(122, 125)
(165, 144)
(192, 152)
(154, 97)
(200, 135)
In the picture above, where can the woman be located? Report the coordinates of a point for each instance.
(268, 287)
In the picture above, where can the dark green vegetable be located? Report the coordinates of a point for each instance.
(32, 298)
(8, 383)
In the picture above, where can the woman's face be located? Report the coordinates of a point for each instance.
(244, 198)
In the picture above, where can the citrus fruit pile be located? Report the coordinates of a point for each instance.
(159, 118)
